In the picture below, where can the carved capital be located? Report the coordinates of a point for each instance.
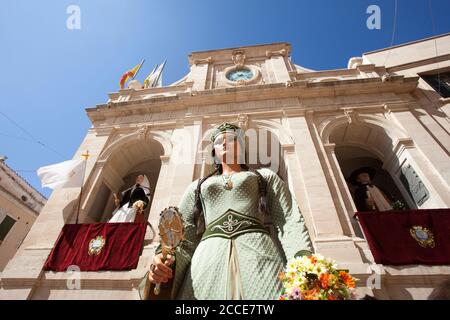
(165, 159)
(282, 52)
(329, 147)
(288, 148)
(202, 61)
(403, 143)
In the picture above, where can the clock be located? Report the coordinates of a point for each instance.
(239, 75)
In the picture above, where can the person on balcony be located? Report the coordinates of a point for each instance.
(228, 252)
(367, 196)
(133, 201)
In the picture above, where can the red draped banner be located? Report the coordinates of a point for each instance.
(408, 237)
(97, 246)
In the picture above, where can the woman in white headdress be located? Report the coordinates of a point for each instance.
(133, 200)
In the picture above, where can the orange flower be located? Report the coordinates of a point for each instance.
(281, 276)
(310, 294)
(325, 280)
(313, 259)
(332, 297)
(347, 279)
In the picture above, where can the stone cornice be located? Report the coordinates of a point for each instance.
(337, 73)
(298, 89)
(105, 280)
(366, 67)
(361, 107)
(419, 63)
(257, 51)
(130, 279)
(151, 91)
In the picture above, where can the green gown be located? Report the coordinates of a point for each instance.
(246, 266)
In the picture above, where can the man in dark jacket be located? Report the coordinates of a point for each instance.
(367, 196)
(133, 200)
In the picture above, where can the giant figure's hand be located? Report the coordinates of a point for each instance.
(160, 271)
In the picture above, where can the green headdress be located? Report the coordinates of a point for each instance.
(226, 127)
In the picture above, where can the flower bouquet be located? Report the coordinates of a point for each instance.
(315, 278)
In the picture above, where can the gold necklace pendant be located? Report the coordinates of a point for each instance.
(227, 184)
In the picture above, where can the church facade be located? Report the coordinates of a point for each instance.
(389, 109)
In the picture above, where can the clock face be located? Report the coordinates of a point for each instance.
(242, 74)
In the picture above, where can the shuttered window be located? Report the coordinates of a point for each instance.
(440, 83)
(5, 226)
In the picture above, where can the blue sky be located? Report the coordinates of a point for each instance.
(50, 74)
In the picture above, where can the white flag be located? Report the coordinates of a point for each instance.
(157, 81)
(68, 174)
(159, 84)
(151, 78)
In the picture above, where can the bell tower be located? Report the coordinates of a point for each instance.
(256, 65)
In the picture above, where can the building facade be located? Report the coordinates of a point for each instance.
(20, 205)
(383, 110)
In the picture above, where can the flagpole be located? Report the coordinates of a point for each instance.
(159, 75)
(151, 73)
(85, 157)
(143, 60)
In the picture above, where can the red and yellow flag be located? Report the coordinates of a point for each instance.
(129, 74)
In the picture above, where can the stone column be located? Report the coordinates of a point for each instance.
(276, 60)
(312, 191)
(199, 73)
(343, 194)
(177, 171)
(297, 186)
(161, 192)
(320, 202)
